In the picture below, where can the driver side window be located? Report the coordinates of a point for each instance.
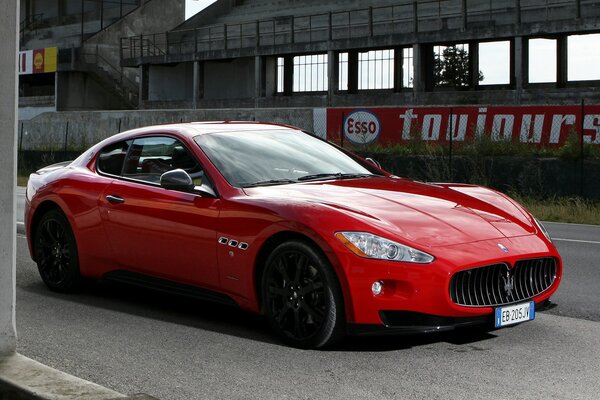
(150, 157)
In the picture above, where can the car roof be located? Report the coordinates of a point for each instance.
(192, 129)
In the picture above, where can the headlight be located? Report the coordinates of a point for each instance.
(367, 245)
(543, 229)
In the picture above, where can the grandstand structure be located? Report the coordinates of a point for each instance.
(309, 53)
(69, 52)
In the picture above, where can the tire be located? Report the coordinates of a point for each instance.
(55, 253)
(302, 299)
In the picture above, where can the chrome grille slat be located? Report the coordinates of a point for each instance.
(487, 290)
(485, 286)
(540, 276)
(480, 286)
(519, 285)
(532, 281)
(494, 291)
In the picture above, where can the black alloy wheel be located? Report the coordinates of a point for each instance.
(55, 252)
(302, 297)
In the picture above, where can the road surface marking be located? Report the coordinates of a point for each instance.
(575, 240)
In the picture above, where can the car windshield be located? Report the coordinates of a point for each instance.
(275, 157)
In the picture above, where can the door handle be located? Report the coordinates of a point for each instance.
(112, 199)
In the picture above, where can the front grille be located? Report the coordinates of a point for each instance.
(498, 284)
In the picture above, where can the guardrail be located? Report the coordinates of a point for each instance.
(403, 18)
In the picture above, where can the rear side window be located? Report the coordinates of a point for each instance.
(111, 158)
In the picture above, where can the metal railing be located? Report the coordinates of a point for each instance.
(30, 24)
(405, 17)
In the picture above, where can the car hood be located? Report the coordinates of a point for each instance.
(428, 214)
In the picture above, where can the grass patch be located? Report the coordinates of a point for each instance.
(572, 210)
(22, 180)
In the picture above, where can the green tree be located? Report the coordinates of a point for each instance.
(451, 68)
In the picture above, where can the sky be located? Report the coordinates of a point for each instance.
(583, 60)
(194, 6)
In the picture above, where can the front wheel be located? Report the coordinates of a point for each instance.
(55, 252)
(302, 296)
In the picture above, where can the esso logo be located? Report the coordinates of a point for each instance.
(361, 127)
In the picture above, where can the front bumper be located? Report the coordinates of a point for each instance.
(408, 322)
(416, 297)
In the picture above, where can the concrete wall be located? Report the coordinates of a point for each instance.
(9, 27)
(79, 130)
(170, 82)
(80, 91)
(229, 79)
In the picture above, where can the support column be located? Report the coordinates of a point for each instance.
(288, 75)
(518, 67)
(143, 88)
(398, 69)
(332, 75)
(259, 79)
(419, 69)
(198, 82)
(561, 61)
(474, 64)
(8, 163)
(353, 71)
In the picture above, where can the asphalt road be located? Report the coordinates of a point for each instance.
(133, 341)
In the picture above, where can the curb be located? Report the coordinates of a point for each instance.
(22, 378)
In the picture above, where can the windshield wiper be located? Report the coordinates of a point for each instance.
(338, 175)
(270, 182)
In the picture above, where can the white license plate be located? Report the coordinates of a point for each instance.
(514, 314)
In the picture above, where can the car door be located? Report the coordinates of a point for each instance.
(164, 233)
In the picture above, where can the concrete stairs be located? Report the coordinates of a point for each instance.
(112, 78)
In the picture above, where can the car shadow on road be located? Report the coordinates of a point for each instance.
(233, 321)
(165, 307)
(466, 338)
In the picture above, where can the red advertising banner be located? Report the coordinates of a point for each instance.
(538, 125)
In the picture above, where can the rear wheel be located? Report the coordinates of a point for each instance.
(302, 297)
(55, 252)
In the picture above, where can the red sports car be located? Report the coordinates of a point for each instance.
(280, 222)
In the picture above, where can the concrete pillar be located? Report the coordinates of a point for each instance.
(198, 82)
(519, 67)
(353, 71)
(143, 85)
(474, 64)
(561, 61)
(332, 75)
(288, 75)
(418, 68)
(259, 79)
(8, 161)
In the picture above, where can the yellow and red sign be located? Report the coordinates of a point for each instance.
(38, 61)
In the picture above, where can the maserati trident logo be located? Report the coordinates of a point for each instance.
(503, 247)
(509, 283)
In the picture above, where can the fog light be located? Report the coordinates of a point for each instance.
(377, 288)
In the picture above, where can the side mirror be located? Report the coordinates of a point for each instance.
(373, 161)
(177, 179)
(205, 191)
